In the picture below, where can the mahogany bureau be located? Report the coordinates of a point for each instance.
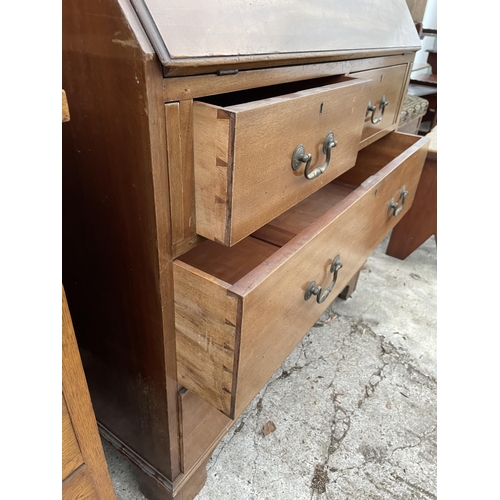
(228, 169)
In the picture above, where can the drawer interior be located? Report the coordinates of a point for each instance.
(261, 93)
(230, 264)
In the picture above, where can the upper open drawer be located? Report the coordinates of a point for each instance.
(259, 152)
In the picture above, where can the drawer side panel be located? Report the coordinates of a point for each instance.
(206, 336)
(212, 170)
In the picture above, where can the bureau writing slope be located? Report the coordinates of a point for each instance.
(228, 168)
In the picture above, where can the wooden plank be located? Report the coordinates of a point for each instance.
(65, 108)
(233, 32)
(175, 171)
(181, 171)
(79, 486)
(212, 149)
(191, 87)
(206, 336)
(202, 427)
(186, 125)
(71, 455)
(117, 266)
(373, 158)
(229, 264)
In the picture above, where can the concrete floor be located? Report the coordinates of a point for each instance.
(354, 405)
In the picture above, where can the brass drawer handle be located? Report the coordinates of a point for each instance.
(371, 109)
(312, 289)
(300, 156)
(394, 206)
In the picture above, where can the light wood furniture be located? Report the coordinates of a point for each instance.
(233, 165)
(420, 223)
(84, 470)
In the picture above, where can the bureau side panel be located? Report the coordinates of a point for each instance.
(116, 267)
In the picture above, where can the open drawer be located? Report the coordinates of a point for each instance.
(240, 311)
(253, 148)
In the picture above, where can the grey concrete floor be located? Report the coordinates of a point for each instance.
(353, 406)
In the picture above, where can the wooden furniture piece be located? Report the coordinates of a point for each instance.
(84, 470)
(420, 223)
(233, 165)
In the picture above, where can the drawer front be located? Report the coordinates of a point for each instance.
(243, 154)
(387, 86)
(231, 338)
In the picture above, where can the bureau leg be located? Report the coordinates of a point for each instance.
(350, 287)
(420, 223)
(184, 488)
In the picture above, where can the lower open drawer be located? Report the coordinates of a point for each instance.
(240, 311)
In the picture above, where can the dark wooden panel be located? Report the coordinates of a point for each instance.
(202, 428)
(79, 486)
(116, 242)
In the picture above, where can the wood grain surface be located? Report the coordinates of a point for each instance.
(243, 150)
(71, 454)
(202, 427)
(191, 87)
(65, 108)
(274, 315)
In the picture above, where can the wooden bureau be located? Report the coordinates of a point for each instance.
(230, 169)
